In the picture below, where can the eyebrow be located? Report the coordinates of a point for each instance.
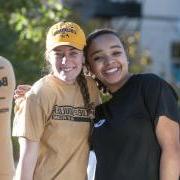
(115, 46)
(72, 48)
(112, 47)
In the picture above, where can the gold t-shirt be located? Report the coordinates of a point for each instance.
(7, 85)
(53, 113)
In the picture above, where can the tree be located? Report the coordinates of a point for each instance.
(22, 34)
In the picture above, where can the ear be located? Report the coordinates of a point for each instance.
(83, 60)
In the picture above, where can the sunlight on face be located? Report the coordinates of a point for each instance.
(108, 60)
(66, 62)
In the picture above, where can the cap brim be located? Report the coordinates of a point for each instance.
(54, 45)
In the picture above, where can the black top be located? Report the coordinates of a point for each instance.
(124, 137)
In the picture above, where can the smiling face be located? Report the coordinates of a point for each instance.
(66, 62)
(108, 61)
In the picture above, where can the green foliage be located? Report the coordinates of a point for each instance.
(22, 34)
(138, 59)
(105, 97)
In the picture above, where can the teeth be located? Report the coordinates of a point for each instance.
(67, 69)
(111, 70)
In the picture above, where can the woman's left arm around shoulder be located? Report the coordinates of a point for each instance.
(167, 132)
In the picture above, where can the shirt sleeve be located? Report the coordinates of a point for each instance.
(161, 99)
(7, 85)
(29, 120)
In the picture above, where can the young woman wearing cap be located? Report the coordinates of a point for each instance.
(136, 133)
(7, 86)
(53, 119)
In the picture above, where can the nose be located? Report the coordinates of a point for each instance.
(108, 60)
(64, 60)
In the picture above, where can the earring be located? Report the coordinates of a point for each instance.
(93, 75)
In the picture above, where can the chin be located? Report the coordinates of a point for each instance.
(113, 81)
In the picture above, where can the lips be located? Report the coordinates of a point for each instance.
(67, 69)
(111, 71)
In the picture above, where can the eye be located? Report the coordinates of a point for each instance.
(116, 53)
(57, 54)
(73, 53)
(98, 58)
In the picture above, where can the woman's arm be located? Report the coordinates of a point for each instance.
(27, 160)
(91, 165)
(167, 132)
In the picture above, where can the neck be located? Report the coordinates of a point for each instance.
(65, 81)
(119, 85)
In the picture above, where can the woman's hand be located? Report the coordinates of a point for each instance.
(21, 90)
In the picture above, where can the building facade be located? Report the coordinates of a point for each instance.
(160, 34)
(159, 26)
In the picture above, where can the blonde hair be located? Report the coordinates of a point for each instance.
(81, 79)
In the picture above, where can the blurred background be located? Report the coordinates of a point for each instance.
(151, 29)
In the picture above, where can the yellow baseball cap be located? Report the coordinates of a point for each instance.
(65, 33)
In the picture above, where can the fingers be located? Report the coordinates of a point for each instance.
(21, 90)
(18, 93)
(24, 87)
